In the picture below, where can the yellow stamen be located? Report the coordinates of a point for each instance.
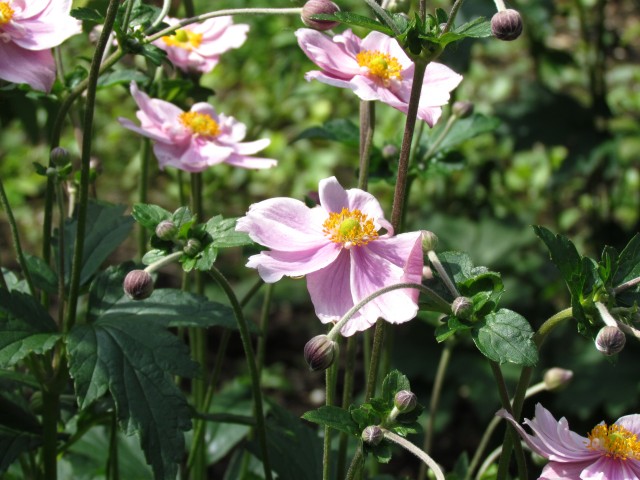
(615, 441)
(350, 227)
(184, 39)
(200, 123)
(381, 65)
(6, 13)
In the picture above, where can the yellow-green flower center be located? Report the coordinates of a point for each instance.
(184, 39)
(380, 65)
(350, 228)
(615, 442)
(200, 123)
(6, 13)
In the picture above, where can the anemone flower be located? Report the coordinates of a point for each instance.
(339, 246)
(376, 68)
(28, 31)
(607, 453)
(195, 140)
(197, 47)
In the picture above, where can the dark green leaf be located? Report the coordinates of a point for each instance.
(183, 219)
(355, 20)
(205, 259)
(223, 233)
(339, 130)
(106, 289)
(26, 327)
(87, 14)
(505, 336)
(13, 443)
(628, 266)
(467, 128)
(149, 216)
(452, 326)
(392, 384)
(153, 256)
(365, 415)
(41, 274)
(477, 28)
(154, 54)
(143, 14)
(334, 417)
(441, 16)
(125, 76)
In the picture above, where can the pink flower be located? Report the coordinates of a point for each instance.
(339, 247)
(194, 140)
(607, 453)
(28, 31)
(376, 68)
(198, 46)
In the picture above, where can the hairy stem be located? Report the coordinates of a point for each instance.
(410, 447)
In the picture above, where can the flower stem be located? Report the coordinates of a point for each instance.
(253, 370)
(626, 285)
(367, 122)
(452, 16)
(410, 447)
(331, 375)
(94, 72)
(435, 261)
(172, 257)
(443, 134)
(16, 238)
(166, 5)
(356, 464)
(145, 155)
(347, 398)
(50, 414)
(443, 364)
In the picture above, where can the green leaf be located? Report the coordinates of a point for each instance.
(106, 289)
(149, 216)
(333, 417)
(204, 260)
(87, 14)
(339, 130)
(123, 76)
(223, 233)
(183, 219)
(366, 415)
(154, 54)
(628, 266)
(153, 256)
(41, 274)
(354, 20)
(392, 384)
(26, 328)
(135, 359)
(505, 336)
(478, 28)
(106, 229)
(13, 443)
(466, 129)
(452, 326)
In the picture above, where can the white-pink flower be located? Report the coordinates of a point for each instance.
(194, 140)
(198, 46)
(607, 453)
(29, 29)
(338, 245)
(376, 68)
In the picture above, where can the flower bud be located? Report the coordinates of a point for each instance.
(59, 156)
(610, 340)
(429, 241)
(138, 284)
(390, 151)
(318, 7)
(319, 352)
(405, 401)
(462, 108)
(555, 377)
(192, 247)
(462, 307)
(372, 435)
(506, 25)
(166, 230)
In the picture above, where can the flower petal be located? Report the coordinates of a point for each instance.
(563, 471)
(35, 68)
(256, 163)
(630, 422)
(332, 57)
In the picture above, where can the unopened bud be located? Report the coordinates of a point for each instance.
(405, 401)
(319, 7)
(319, 352)
(555, 377)
(462, 108)
(429, 241)
(610, 340)
(166, 230)
(506, 25)
(59, 156)
(138, 284)
(462, 307)
(372, 435)
(390, 151)
(192, 247)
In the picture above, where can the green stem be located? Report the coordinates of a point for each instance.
(331, 375)
(261, 350)
(94, 73)
(443, 134)
(145, 156)
(410, 447)
(50, 413)
(452, 16)
(435, 261)
(378, 340)
(443, 364)
(356, 464)
(347, 398)
(189, 11)
(61, 283)
(113, 469)
(253, 370)
(367, 122)
(16, 239)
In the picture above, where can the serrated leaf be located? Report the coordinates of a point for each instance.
(118, 77)
(87, 14)
(149, 216)
(477, 28)
(41, 274)
(333, 417)
(354, 20)
(142, 14)
(154, 54)
(223, 233)
(506, 337)
(364, 415)
(628, 266)
(26, 327)
(205, 258)
(183, 219)
(452, 325)
(106, 289)
(153, 256)
(467, 128)
(339, 130)
(106, 229)
(392, 384)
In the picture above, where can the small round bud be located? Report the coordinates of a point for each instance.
(555, 377)
(319, 352)
(506, 25)
(166, 230)
(429, 241)
(372, 435)
(59, 156)
(462, 108)
(462, 307)
(138, 284)
(610, 340)
(405, 401)
(389, 152)
(319, 7)
(192, 247)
